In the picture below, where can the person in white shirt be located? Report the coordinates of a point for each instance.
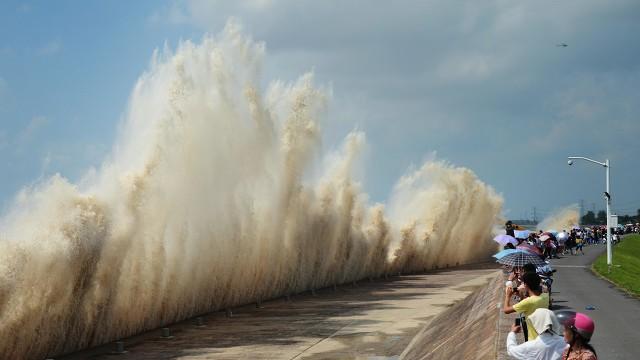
(549, 345)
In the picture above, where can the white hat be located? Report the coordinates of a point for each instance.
(543, 320)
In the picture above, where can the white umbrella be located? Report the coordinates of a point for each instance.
(505, 239)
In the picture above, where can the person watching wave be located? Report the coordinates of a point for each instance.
(578, 329)
(509, 228)
(548, 346)
(536, 299)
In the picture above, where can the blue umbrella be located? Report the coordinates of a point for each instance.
(506, 252)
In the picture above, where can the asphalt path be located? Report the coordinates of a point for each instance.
(616, 314)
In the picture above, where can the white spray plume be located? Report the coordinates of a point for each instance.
(205, 203)
(561, 219)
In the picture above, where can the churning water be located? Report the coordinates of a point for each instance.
(207, 201)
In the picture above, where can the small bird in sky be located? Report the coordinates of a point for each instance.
(562, 45)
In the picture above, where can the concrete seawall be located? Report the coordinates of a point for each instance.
(470, 329)
(373, 320)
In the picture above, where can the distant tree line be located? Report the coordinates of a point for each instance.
(601, 218)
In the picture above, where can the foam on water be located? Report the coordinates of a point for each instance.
(207, 201)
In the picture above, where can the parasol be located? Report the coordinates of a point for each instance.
(520, 259)
(505, 239)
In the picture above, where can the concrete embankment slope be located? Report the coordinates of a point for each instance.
(371, 320)
(467, 330)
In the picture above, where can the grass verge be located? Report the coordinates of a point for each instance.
(625, 271)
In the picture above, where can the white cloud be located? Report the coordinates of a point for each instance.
(258, 4)
(469, 67)
(24, 8)
(173, 13)
(207, 13)
(50, 48)
(596, 109)
(45, 162)
(468, 79)
(28, 132)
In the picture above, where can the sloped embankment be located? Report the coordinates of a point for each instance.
(467, 330)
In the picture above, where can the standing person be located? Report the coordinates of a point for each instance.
(509, 228)
(578, 330)
(571, 242)
(548, 248)
(588, 236)
(536, 299)
(579, 244)
(548, 346)
(563, 238)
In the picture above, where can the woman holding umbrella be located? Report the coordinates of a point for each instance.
(547, 240)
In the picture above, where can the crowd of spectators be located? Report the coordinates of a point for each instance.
(547, 334)
(552, 244)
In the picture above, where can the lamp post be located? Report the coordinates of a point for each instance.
(607, 195)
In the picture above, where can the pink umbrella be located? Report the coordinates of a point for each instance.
(530, 248)
(505, 239)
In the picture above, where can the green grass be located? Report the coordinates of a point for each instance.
(625, 271)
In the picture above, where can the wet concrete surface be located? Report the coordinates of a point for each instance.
(372, 320)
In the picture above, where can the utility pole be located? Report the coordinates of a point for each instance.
(607, 196)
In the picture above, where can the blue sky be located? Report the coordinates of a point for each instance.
(66, 71)
(481, 84)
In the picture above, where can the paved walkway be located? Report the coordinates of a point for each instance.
(616, 314)
(374, 320)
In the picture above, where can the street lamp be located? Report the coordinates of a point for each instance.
(607, 195)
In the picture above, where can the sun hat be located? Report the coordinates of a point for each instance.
(544, 319)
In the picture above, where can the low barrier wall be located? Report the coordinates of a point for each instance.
(470, 329)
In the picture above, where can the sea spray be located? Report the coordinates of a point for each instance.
(207, 202)
(561, 219)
